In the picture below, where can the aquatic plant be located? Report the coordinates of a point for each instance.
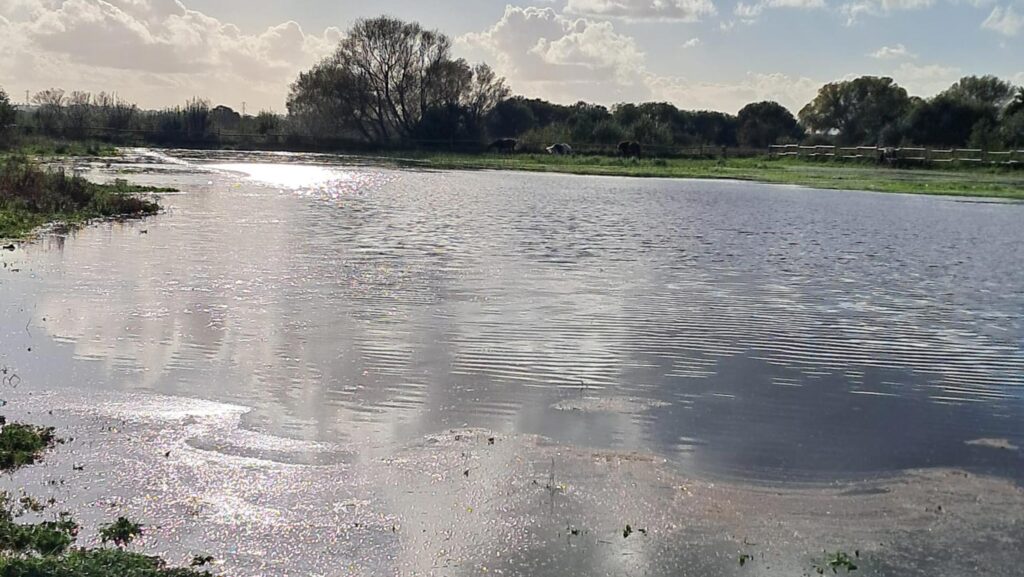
(93, 563)
(201, 560)
(121, 532)
(47, 538)
(836, 561)
(45, 549)
(22, 445)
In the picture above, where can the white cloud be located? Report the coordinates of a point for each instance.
(150, 49)
(663, 10)
(926, 79)
(897, 52)
(752, 11)
(692, 43)
(593, 45)
(792, 92)
(854, 10)
(546, 54)
(1005, 21)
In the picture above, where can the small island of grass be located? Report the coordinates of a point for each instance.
(46, 548)
(31, 196)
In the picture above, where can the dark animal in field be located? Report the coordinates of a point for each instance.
(506, 145)
(630, 149)
(560, 149)
(887, 155)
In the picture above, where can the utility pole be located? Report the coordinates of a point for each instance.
(243, 109)
(28, 101)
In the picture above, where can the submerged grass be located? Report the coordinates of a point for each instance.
(46, 548)
(92, 563)
(31, 196)
(995, 182)
(22, 445)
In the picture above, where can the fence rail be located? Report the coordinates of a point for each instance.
(914, 154)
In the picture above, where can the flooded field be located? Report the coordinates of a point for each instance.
(314, 367)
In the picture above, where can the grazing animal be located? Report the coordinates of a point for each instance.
(560, 149)
(630, 148)
(887, 155)
(506, 145)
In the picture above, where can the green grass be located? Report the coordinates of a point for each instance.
(22, 445)
(42, 146)
(120, 532)
(959, 181)
(46, 548)
(31, 196)
(92, 563)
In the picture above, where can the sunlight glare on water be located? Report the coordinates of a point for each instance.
(290, 176)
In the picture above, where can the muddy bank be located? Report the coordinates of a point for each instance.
(468, 501)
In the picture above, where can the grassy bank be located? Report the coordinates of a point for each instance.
(31, 196)
(961, 181)
(46, 548)
(41, 146)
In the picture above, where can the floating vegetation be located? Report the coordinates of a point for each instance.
(22, 445)
(836, 561)
(121, 532)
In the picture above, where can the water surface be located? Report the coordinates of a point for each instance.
(737, 329)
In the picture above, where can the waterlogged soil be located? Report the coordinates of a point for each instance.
(476, 501)
(310, 365)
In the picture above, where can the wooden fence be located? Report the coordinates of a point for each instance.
(929, 155)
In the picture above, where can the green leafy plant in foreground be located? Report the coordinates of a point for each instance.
(22, 445)
(93, 563)
(46, 538)
(121, 532)
(46, 549)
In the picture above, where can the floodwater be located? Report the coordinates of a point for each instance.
(360, 370)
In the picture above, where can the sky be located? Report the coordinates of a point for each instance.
(697, 54)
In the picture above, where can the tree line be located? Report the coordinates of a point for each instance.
(395, 84)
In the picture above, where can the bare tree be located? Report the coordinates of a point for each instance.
(79, 113)
(385, 78)
(50, 111)
(486, 91)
